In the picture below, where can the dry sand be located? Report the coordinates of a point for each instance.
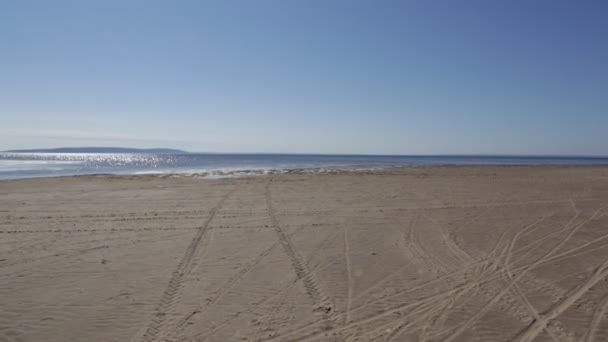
(414, 254)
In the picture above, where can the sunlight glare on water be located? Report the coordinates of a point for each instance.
(23, 165)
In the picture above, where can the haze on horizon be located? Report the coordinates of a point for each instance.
(363, 77)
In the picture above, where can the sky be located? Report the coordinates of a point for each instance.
(308, 76)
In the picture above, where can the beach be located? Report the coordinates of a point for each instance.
(443, 253)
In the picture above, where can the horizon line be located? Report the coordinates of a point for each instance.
(527, 155)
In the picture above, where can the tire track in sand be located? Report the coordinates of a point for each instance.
(539, 324)
(283, 302)
(465, 287)
(420, 308)
(156, 328)
(507, 287)
(436, 315)
(457, 290)
(224, 289)
(349, 273)
(321, 301)
(596, 320)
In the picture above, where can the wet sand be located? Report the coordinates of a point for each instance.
(410, 254)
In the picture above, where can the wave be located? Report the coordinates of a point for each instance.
(246, 172)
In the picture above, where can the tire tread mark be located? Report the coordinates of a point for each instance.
(321, 301)
(596, 320)
(538, 325)
(349, 274)
(507, 288)
(227, 286)
(171, 293)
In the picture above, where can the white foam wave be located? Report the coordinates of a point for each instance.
(219, 173)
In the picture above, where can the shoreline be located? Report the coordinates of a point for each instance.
(222, 165)
(361, 169)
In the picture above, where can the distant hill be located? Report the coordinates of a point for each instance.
(98, 150)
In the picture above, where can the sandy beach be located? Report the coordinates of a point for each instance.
(409, 254)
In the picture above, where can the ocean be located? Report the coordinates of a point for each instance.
(27, 165)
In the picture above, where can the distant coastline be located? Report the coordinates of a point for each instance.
(98, 150)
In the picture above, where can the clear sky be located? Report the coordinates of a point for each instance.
(388, 77)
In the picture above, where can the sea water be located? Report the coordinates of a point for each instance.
(25, 165)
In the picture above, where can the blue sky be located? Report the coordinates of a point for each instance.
(387, 77)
